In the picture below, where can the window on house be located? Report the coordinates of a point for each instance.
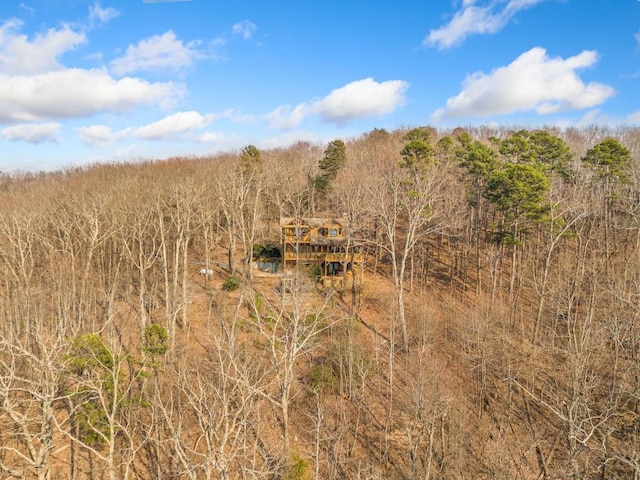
(333, 232)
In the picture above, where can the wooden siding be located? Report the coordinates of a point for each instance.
(322, 242)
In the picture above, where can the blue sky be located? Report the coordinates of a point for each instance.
(86, 81)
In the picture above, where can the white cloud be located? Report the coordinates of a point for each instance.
(75, 93)
(244, 28)
(173, 125)
(27, 8)
(101, 15)
(34, 86)
(19, 55)
(285, 117)
(474, 19)
(362, 98)
(100, 135)
(166, 129)
(156, 53)
(212, 137)
(533, 81)
(32, 133)
(591, 117)
(634, 117)
(234, 116)
(219, 141)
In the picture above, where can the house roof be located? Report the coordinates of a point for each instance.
(312, 221)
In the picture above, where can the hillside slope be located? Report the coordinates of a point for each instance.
(494, 332)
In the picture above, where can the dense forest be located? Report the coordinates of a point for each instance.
(493, 334)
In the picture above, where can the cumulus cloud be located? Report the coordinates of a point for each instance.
(362, 98)
(157, 53)
(21, 56)
(173, 125)
(245, 28)
(32, 133)
(34, 86)
(489, 18)
(75, 93)
(100, 135)
(533, 81)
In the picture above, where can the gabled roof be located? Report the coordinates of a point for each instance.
(311, 222)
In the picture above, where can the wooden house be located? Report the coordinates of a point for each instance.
(323, 243)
